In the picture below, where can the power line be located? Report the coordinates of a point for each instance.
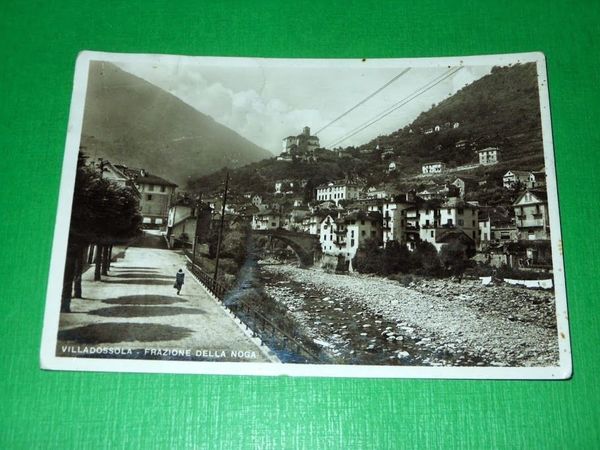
(397, 105)
(368, 97)
(418, 92)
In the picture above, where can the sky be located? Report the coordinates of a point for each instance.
(265, 102)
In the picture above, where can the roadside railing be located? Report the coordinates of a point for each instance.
(284, 339)
(266, 328)
(207, 280)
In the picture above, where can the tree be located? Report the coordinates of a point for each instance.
(235, 246)
(103, 214)
(454, 257)
(395, 258)
(369, 257)
(425, 259)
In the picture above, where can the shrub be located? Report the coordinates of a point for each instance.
(369, 257)
(425, 260)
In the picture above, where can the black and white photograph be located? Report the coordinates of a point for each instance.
(353, 218)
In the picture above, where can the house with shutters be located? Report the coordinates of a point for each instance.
(489, 156)
(531, 215)
(155, 195)
(433, 168)
(513, 178)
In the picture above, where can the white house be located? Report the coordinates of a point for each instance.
(266, 220)
(433, 167)
(328, 236)
(513, 177)
(360, 226)
(454, 218)
(489, 156)
(344, 190)
(537, 179)
(531, 215)
(395, 220)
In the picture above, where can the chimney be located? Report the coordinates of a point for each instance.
(306, 131)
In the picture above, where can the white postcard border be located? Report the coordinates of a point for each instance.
(50, 361)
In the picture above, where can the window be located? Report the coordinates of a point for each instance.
(163, 188)
(363, 232)
(431, 233)
(351, 242)
(461, 222)
(362, 222)
(473, 222)
(373, 233)
(150, 187)
(449, 211)
(148, 196)
(461, 211)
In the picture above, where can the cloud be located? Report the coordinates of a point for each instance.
(265, 105)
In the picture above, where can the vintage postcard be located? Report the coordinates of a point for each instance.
(352, 218)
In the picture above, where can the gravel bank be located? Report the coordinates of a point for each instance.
(494, 325)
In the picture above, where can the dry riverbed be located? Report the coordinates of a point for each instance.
(359, 319)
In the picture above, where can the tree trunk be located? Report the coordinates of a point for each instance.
(104, 258)
(110, 249)
(65, 300)
(98, 260)
(79, 265)
(90, 259)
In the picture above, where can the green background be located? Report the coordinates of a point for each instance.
(39, 42)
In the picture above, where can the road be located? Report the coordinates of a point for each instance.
(137, 308)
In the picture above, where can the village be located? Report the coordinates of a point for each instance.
(345, 214)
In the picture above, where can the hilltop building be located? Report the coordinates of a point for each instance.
(300, 147)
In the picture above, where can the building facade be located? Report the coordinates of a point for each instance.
(489, 156)
(433, 167)
(337, 191)
(531, 215)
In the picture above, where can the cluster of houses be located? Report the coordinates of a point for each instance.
(438, 128)
(345, 213)
(487, 156)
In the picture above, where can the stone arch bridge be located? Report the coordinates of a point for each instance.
(306, 246)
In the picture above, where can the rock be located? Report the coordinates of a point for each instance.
(402, 354)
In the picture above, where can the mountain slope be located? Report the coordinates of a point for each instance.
(131, 121)
(500, 109)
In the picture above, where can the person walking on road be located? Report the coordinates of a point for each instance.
(179, 281)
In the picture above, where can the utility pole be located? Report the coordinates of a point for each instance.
(198, 206)
(221, 227)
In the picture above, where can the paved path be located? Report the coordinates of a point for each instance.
(136, 307)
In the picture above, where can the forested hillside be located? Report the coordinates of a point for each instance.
(500, 109)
